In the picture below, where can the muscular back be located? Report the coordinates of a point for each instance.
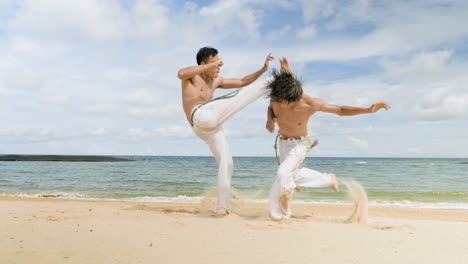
(197, 91)
(292, 118)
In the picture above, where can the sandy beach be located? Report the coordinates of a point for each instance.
(73, 231)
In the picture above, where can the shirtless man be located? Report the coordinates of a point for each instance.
(291, 110)
(207, 115)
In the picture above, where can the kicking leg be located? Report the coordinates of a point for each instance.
(310, 178)
(219, 110)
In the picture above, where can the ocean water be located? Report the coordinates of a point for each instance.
(408, 182)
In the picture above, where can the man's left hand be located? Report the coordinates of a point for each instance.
(377, 106)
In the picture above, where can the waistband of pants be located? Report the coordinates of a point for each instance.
(282, 137)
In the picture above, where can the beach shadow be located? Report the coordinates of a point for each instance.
(241, 206)
(384, 227)
(302, 217)
(143, 207)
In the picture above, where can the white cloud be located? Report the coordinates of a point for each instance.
(395, 28)
(221, 21)
(361, 130)
(21, 46)
(60, 100)
(425, 63)
(247, 132)
(446, 107)
(179, 132)
(23, 79)
(116, 75)
(101, 108)
(143, 97)
(163, 111)
(58, 18)
(93, 19)
(276, 35)
(307, 32)
(136, 135)
(317, 9)
(150, 18)
(414, 150)
(360, 143)
(17, 135)
(435, 87)
(100, 132)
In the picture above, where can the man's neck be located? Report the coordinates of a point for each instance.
(206, 77)
(292, 104)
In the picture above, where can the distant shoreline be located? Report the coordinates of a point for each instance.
(68, 158)
(210, 156)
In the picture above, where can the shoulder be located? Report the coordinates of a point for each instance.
(312, 101)
(218, 81)
(193, 79)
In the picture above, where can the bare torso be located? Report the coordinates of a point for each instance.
(292, 118)
(197, 91)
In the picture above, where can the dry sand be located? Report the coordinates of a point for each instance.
(70, 231)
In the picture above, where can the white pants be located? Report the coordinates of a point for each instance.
(207, 125)
(289, 176)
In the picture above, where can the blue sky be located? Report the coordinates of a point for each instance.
(99, 77)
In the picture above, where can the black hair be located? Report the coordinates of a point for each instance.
(205, 53)
(284, 87)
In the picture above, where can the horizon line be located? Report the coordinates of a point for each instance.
(240, 156)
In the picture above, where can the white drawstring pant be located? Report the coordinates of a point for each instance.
(289, 176)
(207, 125)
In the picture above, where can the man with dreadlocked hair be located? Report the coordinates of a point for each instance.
(291, 110)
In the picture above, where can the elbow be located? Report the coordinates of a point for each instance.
(180, 75)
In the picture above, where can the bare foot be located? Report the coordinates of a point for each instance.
(280, 220)
(335, 185)
(284, 200)
(221, 214)
(275, 219)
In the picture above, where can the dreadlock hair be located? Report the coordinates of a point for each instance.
(284, 87)
(205, 53)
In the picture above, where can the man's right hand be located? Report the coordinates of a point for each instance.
(270, 125)
(285, 65)
(216, 64)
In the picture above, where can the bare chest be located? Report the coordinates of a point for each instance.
(291, 117)
(202, 88)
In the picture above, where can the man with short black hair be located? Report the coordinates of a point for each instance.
(207, 115)
(291, 109)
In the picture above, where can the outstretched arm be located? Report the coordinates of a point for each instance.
(190, 72)
(271, 119)
(238, 83)
(351, 110)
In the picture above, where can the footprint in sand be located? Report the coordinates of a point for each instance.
(53, 218)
